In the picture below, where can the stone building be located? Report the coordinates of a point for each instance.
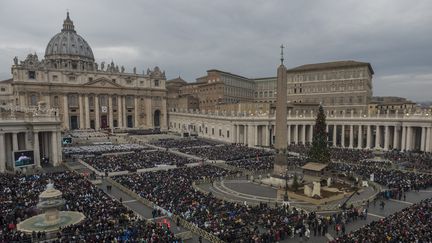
(87, 94)
(29, 129)
(218, 88)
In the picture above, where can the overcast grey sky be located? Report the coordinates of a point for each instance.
(189, 37)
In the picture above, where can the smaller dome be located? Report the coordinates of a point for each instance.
(68, 43)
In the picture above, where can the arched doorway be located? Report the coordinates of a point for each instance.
(156, 118)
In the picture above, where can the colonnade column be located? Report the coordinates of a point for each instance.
(2, 154)
(304, 134)
(334, 135)
(110, 112)
(296, 134)
(36, 149)
(343, 136)
(423, 138)
(119, 112)
(87, 111)
(386, 138)
(428, 140)
(266, 136)
(403, 141)
(351, 141)
(377, 137)
(97, 108)
(396, 138)
(81, 111)
(54, 149)
(311, 133)
(289, 135)
(360, 137)
(136, 115)
(368, 136)
(238, 134)
(256, 129)
(66, 112)
(408, 138)
(14, 141)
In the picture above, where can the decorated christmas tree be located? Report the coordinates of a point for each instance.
(319, 152)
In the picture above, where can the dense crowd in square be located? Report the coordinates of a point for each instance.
(411, 160)
(183, 143)
(107, 220)
(412, 224)
(102, 149)
(227, 152)
(135, 161)
(231, 222)
(265, 163)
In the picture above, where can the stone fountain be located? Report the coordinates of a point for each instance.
(51, 219)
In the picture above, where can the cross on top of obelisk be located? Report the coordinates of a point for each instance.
(282, 57)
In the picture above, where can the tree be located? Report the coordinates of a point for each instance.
(319, 152)
(296, 183)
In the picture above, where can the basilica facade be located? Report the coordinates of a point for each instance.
(87, 95)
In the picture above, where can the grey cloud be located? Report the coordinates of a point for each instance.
(188, 37)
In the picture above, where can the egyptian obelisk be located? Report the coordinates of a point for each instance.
(281, 143)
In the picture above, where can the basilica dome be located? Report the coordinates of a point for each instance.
(68, 44)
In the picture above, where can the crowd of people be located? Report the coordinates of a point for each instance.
(86, 133)
(394, 179)
(106, 219)
(412, 224)
(346, 155)
(135, 161)
(411, 160)
(232, 222)
(266, 163)
(93, 150)
(226, 152)
(183, 143)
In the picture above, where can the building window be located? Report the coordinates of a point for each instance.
(220, 132)
(156, 83)
(32, 75)
(227, 134)
(3, 89)
(212, 131)
(55, 78)
(71, 78)
(33, 100)
(90, 79)
(56, 101)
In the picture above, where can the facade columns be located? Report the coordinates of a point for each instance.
(360, 137)
(119, 112)
(36, 149)
(148, 112)
(97, 108)
(238, 134)
(3, 153)
(124, 108)
(351, 141)
(368, 137)
(110, 112)
(386, 138)
(66, 112)
(423, 139)
(377, 137)
(81, 111)
(87, 111)
(403, 141)
(296, 134)
(136, 112)
(334, 135)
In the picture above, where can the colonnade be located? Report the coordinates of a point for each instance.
(43, 143)
(405, 133)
